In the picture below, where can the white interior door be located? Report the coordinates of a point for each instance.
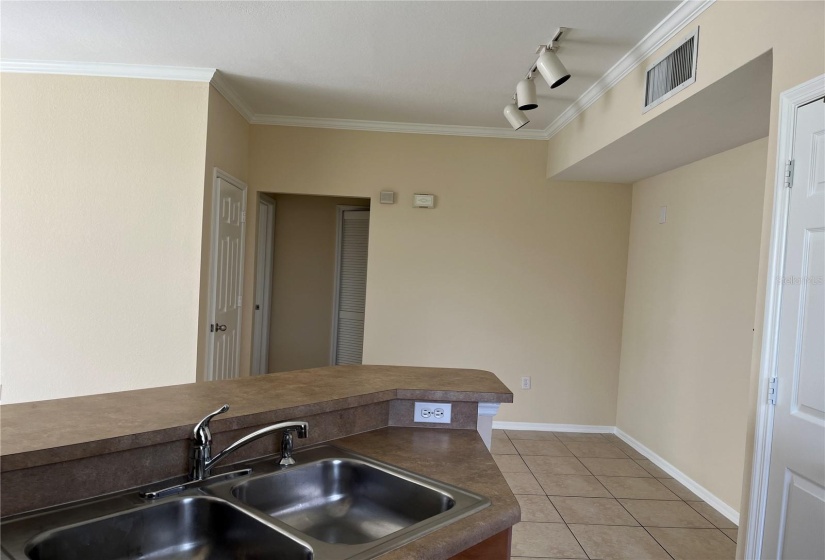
(263, 285)
(351, 286)
(229, 221)
(795, 513)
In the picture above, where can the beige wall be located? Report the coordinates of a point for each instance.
(303, 280)
(731, 34)
(102, 182)
(227, 148)
(509, 272)
(688, 316)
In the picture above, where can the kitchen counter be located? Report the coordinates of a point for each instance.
(58, 451)
(64, 450)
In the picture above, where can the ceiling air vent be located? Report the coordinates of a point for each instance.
(672, 73)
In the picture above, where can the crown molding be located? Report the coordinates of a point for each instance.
(671, 25)
(108, 70)
(408, 128)
(663, 32)
(686, 12)
(229, 93)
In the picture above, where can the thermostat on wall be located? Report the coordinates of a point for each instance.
(423, 201)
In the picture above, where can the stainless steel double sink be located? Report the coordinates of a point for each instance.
(333, 504)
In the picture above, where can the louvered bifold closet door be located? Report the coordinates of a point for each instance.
(352, 287)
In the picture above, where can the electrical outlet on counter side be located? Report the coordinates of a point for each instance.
(439, 413)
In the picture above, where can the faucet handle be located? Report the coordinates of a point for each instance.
(202, 435)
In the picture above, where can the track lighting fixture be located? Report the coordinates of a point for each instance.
(515, 117)
(551, 69)
(553, 72)
(526, 94)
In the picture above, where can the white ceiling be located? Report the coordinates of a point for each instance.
(443, 63)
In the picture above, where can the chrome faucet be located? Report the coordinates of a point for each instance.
(200, 457)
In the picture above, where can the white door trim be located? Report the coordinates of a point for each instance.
(339, 224)
(213, 271)
(789, 102)
(263, 275)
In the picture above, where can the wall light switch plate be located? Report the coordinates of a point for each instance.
(439, 413)
(662, 214)
(423, 201)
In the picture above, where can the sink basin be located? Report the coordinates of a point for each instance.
(343, 501)
(187, 528)
(334, 504)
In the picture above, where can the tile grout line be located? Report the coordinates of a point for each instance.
(651, 477)
(575, 537)
(616, 499)
(563, 520)
(657, 542)
(708, 519)
(566, 526)
(591, 472)
(680, 499)
(633, 516)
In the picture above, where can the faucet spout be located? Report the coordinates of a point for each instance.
(202, 461)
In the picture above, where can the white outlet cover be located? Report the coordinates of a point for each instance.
(434, 413)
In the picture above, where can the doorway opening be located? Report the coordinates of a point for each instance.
(264, 254)
(313, 282)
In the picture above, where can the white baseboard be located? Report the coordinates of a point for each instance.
(691, 484)
(541, 427)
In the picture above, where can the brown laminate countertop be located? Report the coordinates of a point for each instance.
(454, 456)
(45, 432)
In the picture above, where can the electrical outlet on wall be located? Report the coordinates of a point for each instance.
(439, 413)
(525, 382)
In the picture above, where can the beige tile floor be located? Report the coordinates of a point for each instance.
(593, 496)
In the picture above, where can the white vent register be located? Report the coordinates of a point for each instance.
(672, 73)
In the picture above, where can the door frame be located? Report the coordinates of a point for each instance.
(213, 271)
(789, 101)
(263, 275)
(336, 281)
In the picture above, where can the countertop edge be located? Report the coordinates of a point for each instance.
(28, 421)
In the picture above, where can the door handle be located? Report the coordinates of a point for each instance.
(218, 327)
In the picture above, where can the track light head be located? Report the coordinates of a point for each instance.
(515, 117)
(551, 69)
(526, 94)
